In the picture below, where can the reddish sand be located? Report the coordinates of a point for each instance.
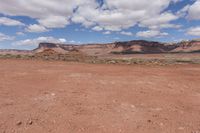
(61, 97)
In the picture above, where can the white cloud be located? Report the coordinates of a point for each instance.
(126, 33)
(97, 28)
(113, 15)
(194, 11)
(107, 32)
(10, 22)
(79, 19)
(36, 41)
(194, 31)
(161, 21)
(51, 13)
(54, 22)
(151, 33)
(20, 33)
(62, 40)
(116, 15)
(36, 28)
(191, 12)
(4, 37)
(183, 12)
(72, 41)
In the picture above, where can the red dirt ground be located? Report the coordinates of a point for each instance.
(61, 97)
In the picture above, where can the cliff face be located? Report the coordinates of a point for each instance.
(61, 48)
(141, 46)
(129, 47)
(188, 46)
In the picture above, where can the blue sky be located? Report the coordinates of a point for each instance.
(24, 24)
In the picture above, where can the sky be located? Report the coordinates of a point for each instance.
(26, 23)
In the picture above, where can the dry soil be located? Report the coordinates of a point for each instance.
(61, 97)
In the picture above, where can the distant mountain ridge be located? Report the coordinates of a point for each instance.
(128, 47)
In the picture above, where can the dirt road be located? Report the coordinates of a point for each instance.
(61, 97)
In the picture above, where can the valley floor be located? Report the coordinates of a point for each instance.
(62, 97)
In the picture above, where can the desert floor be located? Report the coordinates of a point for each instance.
(63, 97)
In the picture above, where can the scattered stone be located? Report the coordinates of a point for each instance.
(132, 106)
(161, 124)
(112, 62)
(149, 121)
(53, 94)
(19, 123)
(30, 122)
(93, 62)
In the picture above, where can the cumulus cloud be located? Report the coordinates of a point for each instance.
(10, 22)
(54, 22)
(36, 28)
(107, 32)
(151, 33)
(36, 41)
(160, 21)
(194, 31)
(113, 15)
(126, 33)
(97, 28)
(4, 37)
(194, 11)
(49, 13)
(190, 12)
(184, 11)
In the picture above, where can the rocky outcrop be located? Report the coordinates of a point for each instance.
(188, 46)
(145, 47)
(61, 48)
(129, 47)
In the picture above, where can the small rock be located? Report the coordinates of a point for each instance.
(53, 94)
(161, 124)
(19, 123)
(132, 106)
(30, 122)
(112, 62)
(149, 121)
